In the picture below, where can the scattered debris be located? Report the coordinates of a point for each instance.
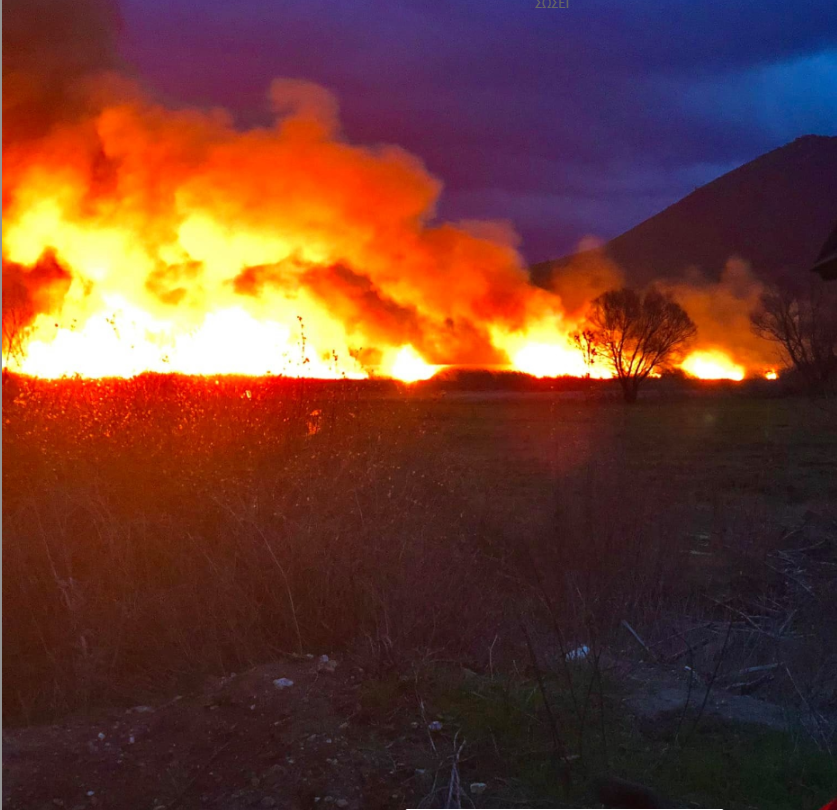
(638, 638)
(579, 653)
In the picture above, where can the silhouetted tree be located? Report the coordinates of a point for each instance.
(803, 323)
(17, 318)
(585, 342)
(638, 334)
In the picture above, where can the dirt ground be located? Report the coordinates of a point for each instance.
(242, 742)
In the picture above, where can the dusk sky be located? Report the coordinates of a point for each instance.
(566, 122)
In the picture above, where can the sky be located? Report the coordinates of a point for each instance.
(567, 123)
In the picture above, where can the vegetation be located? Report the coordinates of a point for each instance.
(637, 334)
(802, 321)
(161, 529)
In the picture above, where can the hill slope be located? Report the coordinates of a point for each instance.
(775, 212)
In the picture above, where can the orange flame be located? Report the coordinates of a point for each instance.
(712, 364)
(190, 246)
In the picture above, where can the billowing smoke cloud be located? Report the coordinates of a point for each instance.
(177, 214)
(721, 310)
(214, 249)
(53, 50)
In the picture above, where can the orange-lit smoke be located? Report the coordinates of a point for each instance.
(188, 245)
(142, 238)
(726, 347)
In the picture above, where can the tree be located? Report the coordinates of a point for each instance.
(638, 334)
(803, 322)
(585, 342)
(17, 319)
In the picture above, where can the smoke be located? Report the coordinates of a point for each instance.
(721, 311)
(584, 277)
(52, 50)
(176, 213)
(209, 239)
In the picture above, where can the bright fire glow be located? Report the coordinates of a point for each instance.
(712, 364)
(553, 360)
(408, 366)
(771, 375)
(148, 239)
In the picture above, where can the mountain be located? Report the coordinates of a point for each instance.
(775, 212)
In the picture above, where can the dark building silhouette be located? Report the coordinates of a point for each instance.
(826, 264)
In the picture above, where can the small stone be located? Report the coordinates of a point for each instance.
(435, 725)
(131, 740)
(477, 788)
(283, 683)
(101, 736)
(326, 664)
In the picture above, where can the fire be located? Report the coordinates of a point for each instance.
(712, 364)
(182, 244)
(139, 238)
(408, 366)
(554, 360)
(771, 375)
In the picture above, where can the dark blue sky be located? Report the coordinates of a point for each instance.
(565, 122)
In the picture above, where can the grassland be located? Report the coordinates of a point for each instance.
(161, 529)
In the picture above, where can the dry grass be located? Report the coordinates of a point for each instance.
(160, 529)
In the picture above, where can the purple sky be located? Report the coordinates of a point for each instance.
(565, 122)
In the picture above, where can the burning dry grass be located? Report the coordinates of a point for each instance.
(161, 528)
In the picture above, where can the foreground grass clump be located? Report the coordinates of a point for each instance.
(494, 730)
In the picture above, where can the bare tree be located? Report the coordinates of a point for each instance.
(803, 323)
(638, 334)
(17, 319)
(585, 342)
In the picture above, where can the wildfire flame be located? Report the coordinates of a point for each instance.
(138, 238)
(712, 365)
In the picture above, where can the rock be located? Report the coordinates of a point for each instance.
(283, 683)
(326, 664)
(477, 788)
(435, 725)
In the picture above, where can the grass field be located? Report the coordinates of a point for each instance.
(161, 529)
